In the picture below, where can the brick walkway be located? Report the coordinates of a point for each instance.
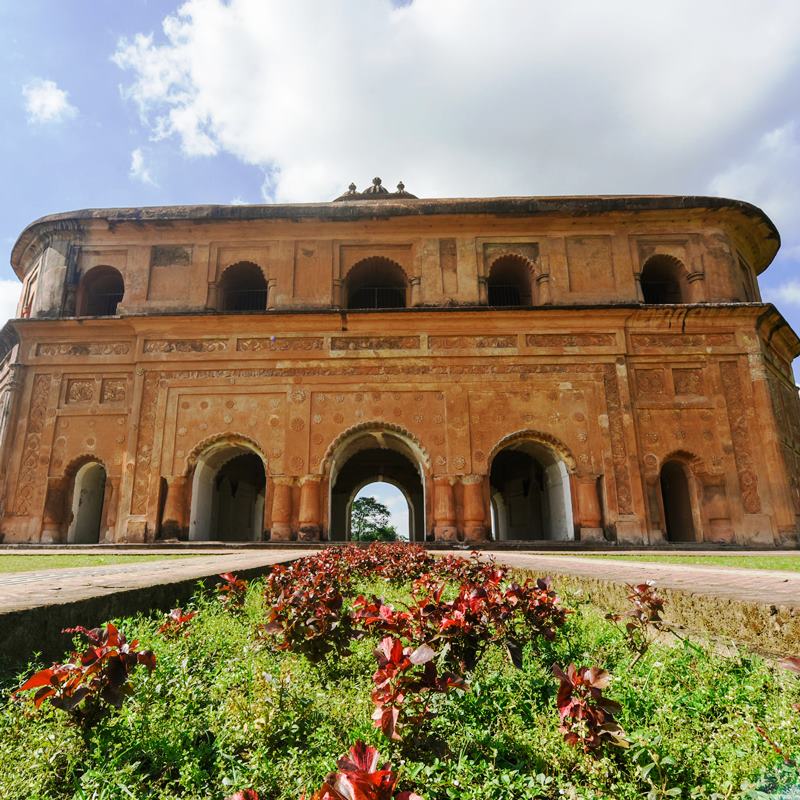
(25, 590)
(766, 587)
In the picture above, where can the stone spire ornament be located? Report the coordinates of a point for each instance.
(377, 192)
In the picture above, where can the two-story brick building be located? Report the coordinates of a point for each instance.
(521, 368)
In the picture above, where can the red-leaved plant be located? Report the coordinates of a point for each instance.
(461, 629)
(244, 794)
(360, 778)
(177, 622)
(587, 718)
(306, 617)
(92, 680)
(232, 591)
(404, 681)
(644, 616)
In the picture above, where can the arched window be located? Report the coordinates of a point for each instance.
(243, 288)
(100, 292)
(676, 496)
(663, 280)
(509, 282)
(748, 290)
(376, 283)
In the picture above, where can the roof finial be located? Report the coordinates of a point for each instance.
(401, 186)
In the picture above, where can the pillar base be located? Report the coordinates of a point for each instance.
(476, 532)
(592, 535)
(629, 531)
(281, 532)
(51, 534)
(308, 533)
(445, 533)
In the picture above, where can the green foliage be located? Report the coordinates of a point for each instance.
(223, 712)
(369, 521)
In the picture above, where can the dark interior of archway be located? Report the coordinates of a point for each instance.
(677, 501)
(661, 281)
(509, 283)
(243, 288)
(519, 497)
(376, 283)
(373, 466)
(102, 292)
(237, 509)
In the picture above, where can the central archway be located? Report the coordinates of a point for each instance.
(376, 456)
(228, 493)
(530, 493)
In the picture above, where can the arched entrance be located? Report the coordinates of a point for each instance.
(676, 498)
(88, 493)
(392, 497)
(228, 491)
(376, 456)
(530, 494)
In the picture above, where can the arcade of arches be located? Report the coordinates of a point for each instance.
(520, 369)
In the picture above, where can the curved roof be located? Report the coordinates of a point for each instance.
(393, 206)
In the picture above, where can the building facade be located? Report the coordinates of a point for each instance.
(596, 368)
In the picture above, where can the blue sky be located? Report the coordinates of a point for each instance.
(108, 103)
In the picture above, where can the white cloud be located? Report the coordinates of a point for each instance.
(46, 103)
(788, 293)
(462, 97)
(139, 170)
(9, 297)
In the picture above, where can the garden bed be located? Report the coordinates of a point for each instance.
(254, 696)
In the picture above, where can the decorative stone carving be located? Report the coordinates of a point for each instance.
(113, 390)
(375, 342)
(78, 349)
(80, 390)
(471, 342)
(688, 381)
(683, 340)
(650, 382)
(185, 345)
(558, 340)
(737, 419)
(28, 490)
(280, 344)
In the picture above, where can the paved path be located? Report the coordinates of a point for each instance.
(767, 587)
(24, 590)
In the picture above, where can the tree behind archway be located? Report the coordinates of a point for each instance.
(370, 521)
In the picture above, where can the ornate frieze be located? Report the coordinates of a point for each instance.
(737, 418)
(681, 340)
(558, 340)
(471, 342)
(29, 484)
(375, 343)
(82, 348)
(280, 344)
(185, 345)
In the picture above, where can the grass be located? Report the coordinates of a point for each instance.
(220, 714)
(783, 563)
(37, 562)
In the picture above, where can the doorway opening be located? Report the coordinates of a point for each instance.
(228, 494)
(379, 511)
(530, 494)
(676, 497)
(88, 494)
